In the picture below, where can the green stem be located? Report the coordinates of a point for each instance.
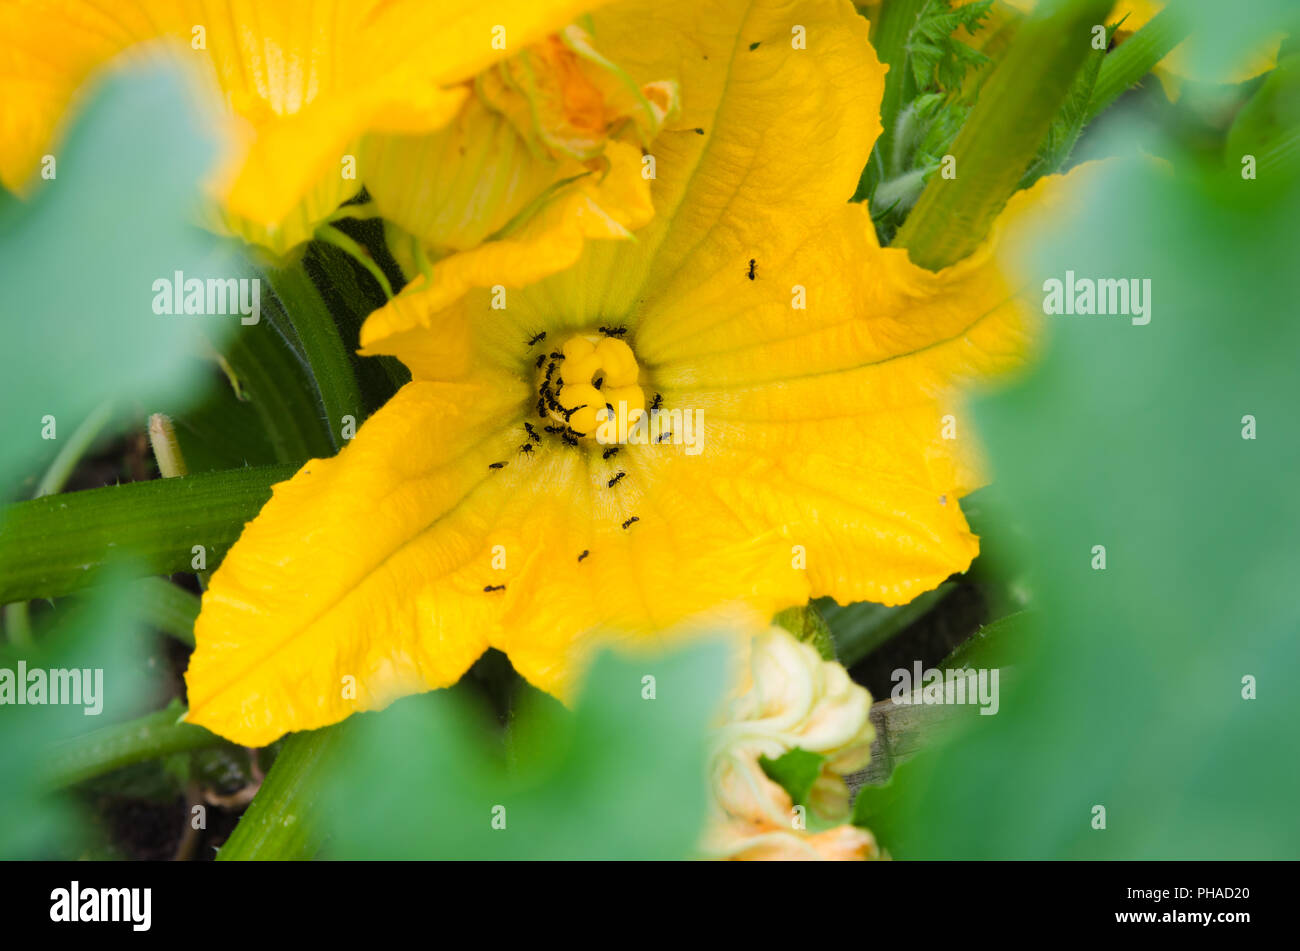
(17, 617)
(18, 624)
(147, 738)
(331, 367)
(56, 476)
(1136, 57)
(283, 821)
(168, 607)
(359, 254)
(359, 212)
(1002, 134)
(58, 544)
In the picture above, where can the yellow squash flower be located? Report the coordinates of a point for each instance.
(300, 82)
(486, 505)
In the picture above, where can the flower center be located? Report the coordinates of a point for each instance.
(593, 378)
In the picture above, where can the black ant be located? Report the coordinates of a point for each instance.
(752, 264)
(541, 408)
(664, 437)
(614, 481)
(613, 331)
(569, 439)
(541, 358)
(497, 465)
(584, 554)
(629, 522)
(494, 587)
(537, 339)
(657, 401)
(532, 433)
(526, 447)
(613, 450)
(557, 356)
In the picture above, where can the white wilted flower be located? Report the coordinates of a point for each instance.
(789, 697)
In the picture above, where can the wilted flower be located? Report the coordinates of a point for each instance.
(789, 698)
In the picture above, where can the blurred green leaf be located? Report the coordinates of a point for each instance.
(1268, 126)
(620, 777)
(795, 771)
(1131, 437)
(78, 264)
(99, 634)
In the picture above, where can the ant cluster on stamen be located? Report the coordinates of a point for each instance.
(557, 417)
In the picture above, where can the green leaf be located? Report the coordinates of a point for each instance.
(1135, 57)
(102, 638)
(923, 104)
(806, 624)
(623, 776)
(60, 543)
(348, 299)
(859, 628)
(318, 335)
(276, 382)
(1268, 126)
(78, 263)
(795, 771)
(873, 804)
(1001, 643)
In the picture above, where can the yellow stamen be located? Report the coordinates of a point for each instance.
(598, 373)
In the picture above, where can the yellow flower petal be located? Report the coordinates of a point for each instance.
(607, 204)
(362, 579)
(302, 80)
(542, 157)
